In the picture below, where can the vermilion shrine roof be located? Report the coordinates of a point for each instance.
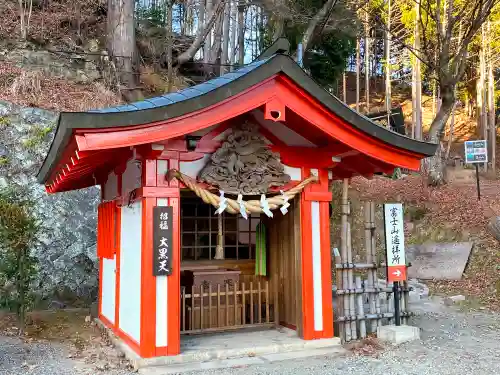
(83, 145)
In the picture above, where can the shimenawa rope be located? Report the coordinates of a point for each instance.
(233, 207)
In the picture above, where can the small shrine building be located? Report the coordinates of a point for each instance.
(215, 201)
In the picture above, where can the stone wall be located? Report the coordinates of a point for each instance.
(67, 248)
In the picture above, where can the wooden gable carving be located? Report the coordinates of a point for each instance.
(244, 164)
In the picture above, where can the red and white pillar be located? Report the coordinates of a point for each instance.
(317, 310)
(160, 301)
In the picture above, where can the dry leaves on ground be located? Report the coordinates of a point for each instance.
(455, 207)
(34, 89)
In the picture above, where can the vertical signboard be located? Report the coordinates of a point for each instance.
(476, 152)
(395, 242)
(162, 240)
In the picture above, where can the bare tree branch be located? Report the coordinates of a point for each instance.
(202, 34)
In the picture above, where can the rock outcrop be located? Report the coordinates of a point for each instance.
(66, 247)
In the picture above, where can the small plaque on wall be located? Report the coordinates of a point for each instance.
(162, 240)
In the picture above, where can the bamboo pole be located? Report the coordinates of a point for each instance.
(350, 281)
(340, 300)
(343, 256)
(369, 228)
(361, 310)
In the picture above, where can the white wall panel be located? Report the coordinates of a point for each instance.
(317, 279)
(161, 301)
(130, 270)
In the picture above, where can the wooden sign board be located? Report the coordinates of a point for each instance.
(394, 242)
(162, 240)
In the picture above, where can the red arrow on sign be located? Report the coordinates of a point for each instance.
(396, 273)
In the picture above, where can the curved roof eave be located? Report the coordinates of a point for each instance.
(210, 93)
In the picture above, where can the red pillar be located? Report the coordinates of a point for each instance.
(154, 187)
(316, 194)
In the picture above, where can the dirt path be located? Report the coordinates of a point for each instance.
(454, 342)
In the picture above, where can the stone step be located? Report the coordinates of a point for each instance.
(193, 356)
(240, 362)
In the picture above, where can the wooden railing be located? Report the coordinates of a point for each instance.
(226, 307)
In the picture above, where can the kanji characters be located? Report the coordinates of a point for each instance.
(163, 266)
(163, 242)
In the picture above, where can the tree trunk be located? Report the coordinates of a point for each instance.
(234, 30)
(387, 46)
(170, 73)
(482, 78)
(201, 35)
(201, 20)
(450, 134)
(241, 33)
(367, 63)
(344, 87)
(434, 166)
(208, 38)
(215, 53)
(320, 17)
(358, 63)
(491, 102)
(121, 45)
(417, 109)
(225, 38)
(279, 25)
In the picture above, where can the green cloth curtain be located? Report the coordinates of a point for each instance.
(260, 250)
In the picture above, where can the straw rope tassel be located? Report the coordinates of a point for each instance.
(233, 206)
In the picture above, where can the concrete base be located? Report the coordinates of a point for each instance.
(222, 350)
(398, 334)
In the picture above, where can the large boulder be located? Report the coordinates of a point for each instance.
(494, 227)
(66, 246)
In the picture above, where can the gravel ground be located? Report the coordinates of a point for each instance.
(453, 342)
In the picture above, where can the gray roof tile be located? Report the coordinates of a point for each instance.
(187, 93)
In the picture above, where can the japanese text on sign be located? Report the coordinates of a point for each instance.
(162, 241)
(476, 152)
(395, 244)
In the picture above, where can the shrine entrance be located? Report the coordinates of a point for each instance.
(236, 273)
